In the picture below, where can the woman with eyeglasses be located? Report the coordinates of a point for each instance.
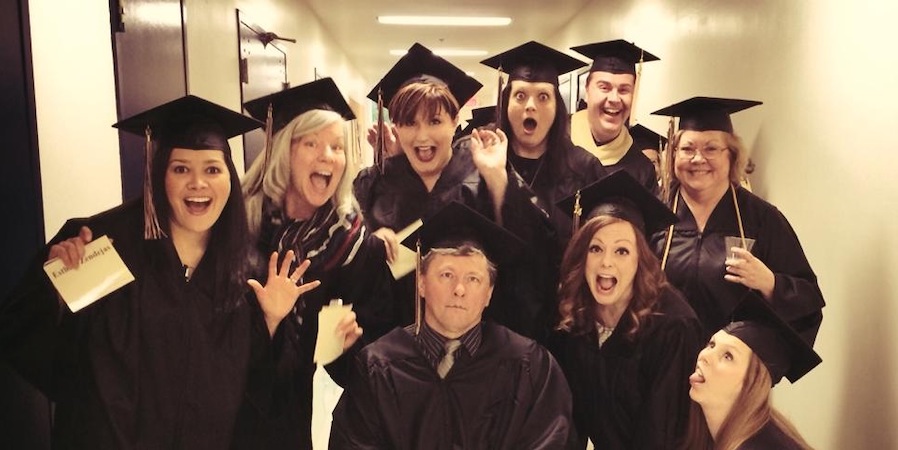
(705, 163)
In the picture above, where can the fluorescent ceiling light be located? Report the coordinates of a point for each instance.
(446, 52)
(445, 21)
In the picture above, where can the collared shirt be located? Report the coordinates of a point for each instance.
(432, 343)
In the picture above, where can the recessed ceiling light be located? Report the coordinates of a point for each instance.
(451, 21)
(445, 52)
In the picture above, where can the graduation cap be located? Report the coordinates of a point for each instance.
(533, 62)
(644, 137)
(480, 117)
(619, 195)
(706, 113)
(781, 348)
(286, 105)
(617, 57)
(420, 64)
(190, 123)
(455, 225)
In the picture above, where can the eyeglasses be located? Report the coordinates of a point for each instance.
(707, 152)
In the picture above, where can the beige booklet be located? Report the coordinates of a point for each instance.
(101, 272)
(328, 345)
(405, 262)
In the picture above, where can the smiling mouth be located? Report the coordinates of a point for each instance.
(321, 180)
(197, 205)
(613, 112)
(605, 284)
(425, 154)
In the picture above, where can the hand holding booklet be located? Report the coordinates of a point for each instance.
(405, 262)
(329, 346)
(101, 272)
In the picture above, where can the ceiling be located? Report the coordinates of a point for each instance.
(367, 43)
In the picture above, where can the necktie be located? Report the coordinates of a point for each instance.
(449, 358)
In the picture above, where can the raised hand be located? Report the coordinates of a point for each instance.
(489, 149)
(391, 242)
(281, 291)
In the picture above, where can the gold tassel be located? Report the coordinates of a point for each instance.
(669, 239)
(151, 228)
(739, 218)
(418, 315)
(667, 155)
(381, 143)
(578, 211)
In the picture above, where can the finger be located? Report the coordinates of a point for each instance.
(392, 247)
(501, 135)
(306, 287)
(285, 265)
(346, 324)
(300, 270)
(351, 338)
(85, 234)
(257, 287)
(273, 265)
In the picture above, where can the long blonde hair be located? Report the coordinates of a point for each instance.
(738, 155)
(277, 174)
(751, 411)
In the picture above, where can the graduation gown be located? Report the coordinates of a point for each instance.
(634, 394)
(397, 197)
(695, 264)
(546, 230)
(160, 363)
(510, 395)
(633, 160)
(770, 437)
(285, 421)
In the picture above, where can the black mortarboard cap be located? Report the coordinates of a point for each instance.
(419, 63)
(480, 117)
(455, 224)
(706, 113)
(533, 62)
(287, 104)
(618, 56)
(190, 122)
(782, 350)
(644, 138)
(620, 195)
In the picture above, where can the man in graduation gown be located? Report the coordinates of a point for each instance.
(453, 380)
(601, 128)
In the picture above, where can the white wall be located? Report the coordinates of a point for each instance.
(74, 90)
(824, 147)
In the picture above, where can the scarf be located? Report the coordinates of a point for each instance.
(609, 154)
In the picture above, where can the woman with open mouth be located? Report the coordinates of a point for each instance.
(424, 94)
(733, 378)
(167, 360)
(548, 166)
(299, 198)
(626, 340)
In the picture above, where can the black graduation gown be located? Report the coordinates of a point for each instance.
(397, 197)
(510, 395)
(634, 394)
(546, 230)
(770, 437)
(286, 420)
(695, 264)
(159, 363)
(636, 164)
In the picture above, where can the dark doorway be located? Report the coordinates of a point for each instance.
(24, 412)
